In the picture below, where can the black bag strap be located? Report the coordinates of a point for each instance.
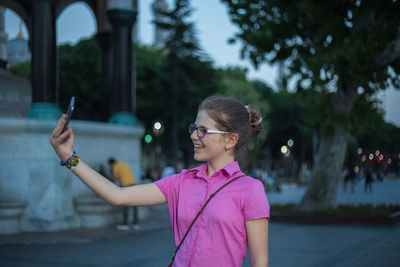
(197, 216)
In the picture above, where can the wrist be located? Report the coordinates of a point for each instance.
(65, 156)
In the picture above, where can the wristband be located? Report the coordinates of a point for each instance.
(72, 162)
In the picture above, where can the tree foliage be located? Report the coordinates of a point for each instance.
(348, 46)
(290, 118)
(324, 41)
(232, 82)
(197, 80)
(22, 69)
(79, 76)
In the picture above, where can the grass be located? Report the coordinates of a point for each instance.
(347, 210)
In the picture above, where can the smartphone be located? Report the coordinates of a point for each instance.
(69, 113)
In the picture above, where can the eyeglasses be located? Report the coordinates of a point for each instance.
(202, 131)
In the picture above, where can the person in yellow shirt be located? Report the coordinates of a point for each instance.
(122, 174)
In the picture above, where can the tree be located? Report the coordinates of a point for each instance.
(182, 47)
(346, 49)
(290, 118)
(198, 80)
(22, 69)
(232, 82)
(79, 75)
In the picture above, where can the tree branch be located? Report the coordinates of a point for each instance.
(390, 55)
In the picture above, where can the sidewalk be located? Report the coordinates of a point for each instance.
(289, 245)
(157, 220)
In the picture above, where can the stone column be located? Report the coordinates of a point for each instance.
(122, 20)
(43, 47)
(3, 39)
(106, 60)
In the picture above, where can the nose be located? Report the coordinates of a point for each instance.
(194, 136)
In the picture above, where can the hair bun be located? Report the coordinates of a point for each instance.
(255, 120)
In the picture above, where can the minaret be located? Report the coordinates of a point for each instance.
(160, 34)
(3, 39)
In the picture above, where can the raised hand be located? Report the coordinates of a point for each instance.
(63, 143)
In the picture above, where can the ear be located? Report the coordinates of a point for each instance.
(231, 140)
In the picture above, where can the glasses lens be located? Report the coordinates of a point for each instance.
(192, 128)
(201, 131)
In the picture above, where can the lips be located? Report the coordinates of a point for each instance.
(197, 147)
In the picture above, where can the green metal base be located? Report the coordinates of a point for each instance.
(44, 110)
(125, 118)
(122, 16)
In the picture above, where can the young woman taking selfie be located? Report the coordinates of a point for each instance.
(216, 210)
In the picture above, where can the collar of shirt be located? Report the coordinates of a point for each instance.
(228, 171)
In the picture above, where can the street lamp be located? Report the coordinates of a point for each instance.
(290, 142)
(148, 138)
(285, 151)
(158, 128)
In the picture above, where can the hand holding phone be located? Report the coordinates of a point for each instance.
(69, 113)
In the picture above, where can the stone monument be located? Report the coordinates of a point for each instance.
(36, 193)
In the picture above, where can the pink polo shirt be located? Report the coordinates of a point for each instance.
(218, 238)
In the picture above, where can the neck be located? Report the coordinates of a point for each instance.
(216, 165)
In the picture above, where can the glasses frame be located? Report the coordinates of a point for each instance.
(206, 131)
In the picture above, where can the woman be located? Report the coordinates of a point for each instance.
(236, 216)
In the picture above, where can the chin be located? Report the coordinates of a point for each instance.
(198, 157)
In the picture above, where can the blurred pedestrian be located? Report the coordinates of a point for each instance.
(368, 181)
(227, 209)
(123, 176)
(353, 179)
(168, 171)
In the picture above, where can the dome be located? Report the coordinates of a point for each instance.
(15, 95)
(17, 51)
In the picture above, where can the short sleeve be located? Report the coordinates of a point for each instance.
(169, 187)
(256, 204)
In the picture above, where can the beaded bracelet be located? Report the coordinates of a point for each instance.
(72, 162)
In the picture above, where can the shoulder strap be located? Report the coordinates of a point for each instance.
(197, 216)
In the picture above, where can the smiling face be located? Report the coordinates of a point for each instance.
(212, 146)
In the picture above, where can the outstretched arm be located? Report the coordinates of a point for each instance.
(140, 195)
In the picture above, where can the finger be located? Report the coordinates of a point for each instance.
(60, 125)
(64, 136)
(53, 133)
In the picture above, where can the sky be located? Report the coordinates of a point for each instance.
(214, 29)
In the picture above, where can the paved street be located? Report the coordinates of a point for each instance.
(152, 245)
(290, 245)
